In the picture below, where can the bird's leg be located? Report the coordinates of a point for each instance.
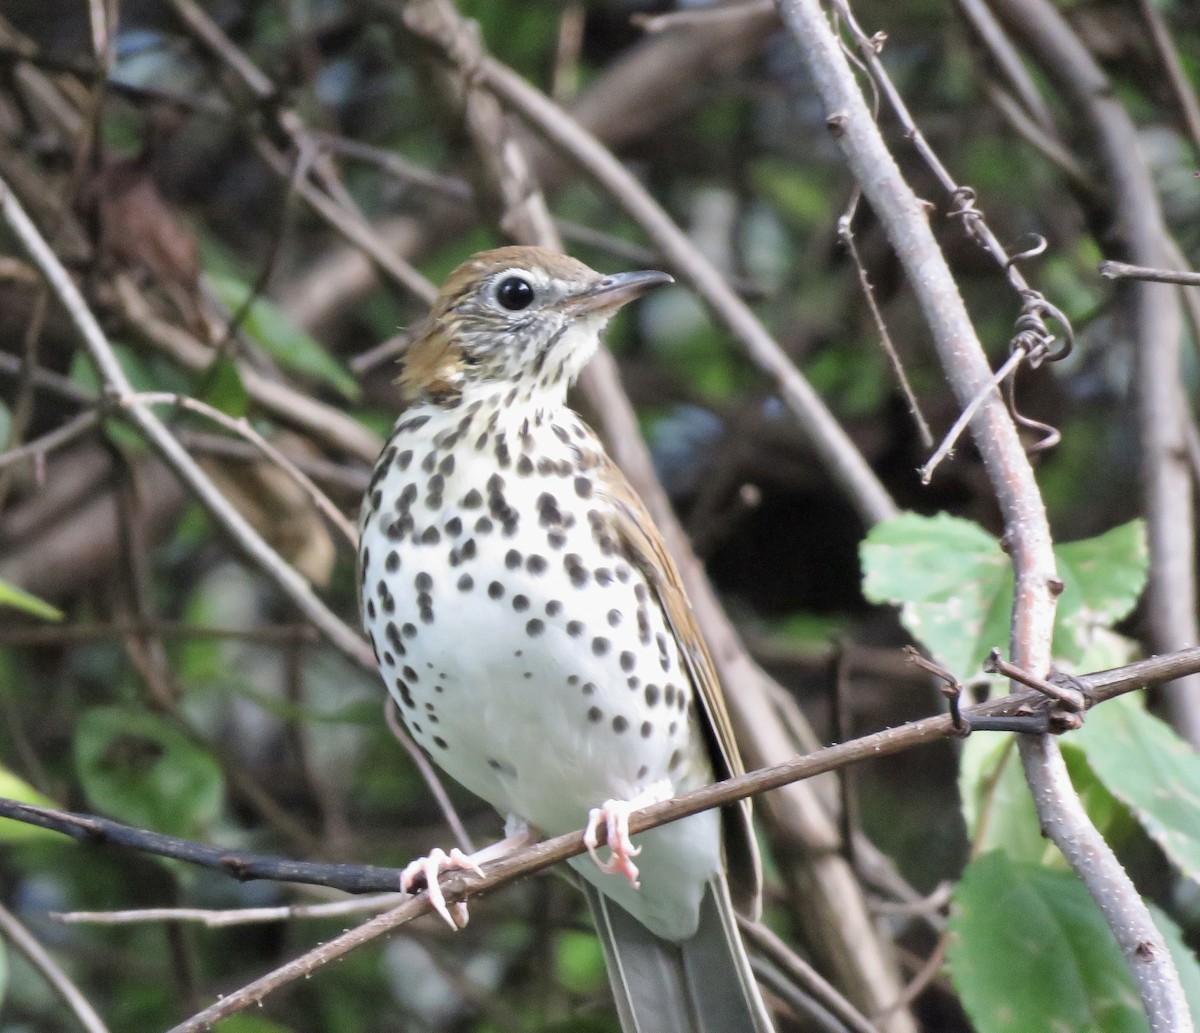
(517, 835)
(614, 815)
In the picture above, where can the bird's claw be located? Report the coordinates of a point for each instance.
(614, 815)
(429, 868)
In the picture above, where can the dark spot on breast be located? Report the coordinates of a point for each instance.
(446, 466)
(404, 458)
(619, 724)
(536, 564)
(614, 618)
(652, 692)
(676, 758)
(405, 694)
(574, 628)
(409, 630)
(495, 590)
(647, 730)
(595, 714)
(392, 563)
(524, 465)
(589, 689)
(556, 539)
(600, 645)
(643, 623)
(466, 583)
(453, 527)
(389, 659)
(484, 525)
(669, 695)
(628, 661)
(439, 741)
(410, 674)
(426, 615)
(535, 627)
(603, 576)
(431, 535)
(554, 608)
(520, 603)
(428, 462)
(407, 497)
(472, 499)
(583, 487)
(512, 559)
(371, 608)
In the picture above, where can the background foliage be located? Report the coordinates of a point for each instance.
(150, 674)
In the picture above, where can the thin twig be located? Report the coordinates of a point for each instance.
(223, 512)
(1111, 270)
(42, 962)
(224, 918)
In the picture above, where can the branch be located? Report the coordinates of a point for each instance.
(356, 878)
(1096, 688)
(36, 955)
(962, 357)
(172, 453)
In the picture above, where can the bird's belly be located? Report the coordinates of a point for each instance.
(527, 655)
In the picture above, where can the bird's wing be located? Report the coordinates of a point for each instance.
(644, 547)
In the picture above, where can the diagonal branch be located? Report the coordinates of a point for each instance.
(168, 447)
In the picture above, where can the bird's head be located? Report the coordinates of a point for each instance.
(515, 316)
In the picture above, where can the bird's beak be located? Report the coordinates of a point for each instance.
(614, 291)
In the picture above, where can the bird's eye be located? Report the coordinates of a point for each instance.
(514, 293)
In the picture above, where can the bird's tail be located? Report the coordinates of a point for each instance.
(701, 985)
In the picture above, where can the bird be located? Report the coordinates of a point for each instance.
(536, 638)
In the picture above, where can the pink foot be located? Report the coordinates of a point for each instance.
(614, 814)
(429, 867)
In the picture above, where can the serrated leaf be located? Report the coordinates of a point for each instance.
(19, 599)
(283, 341)
(141, 770)
(14, 788)
(1029, 950)
(223, 388)
(1146, 766)
(1102, 578)
(952, 582)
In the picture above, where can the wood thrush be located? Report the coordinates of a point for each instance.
(536, 637)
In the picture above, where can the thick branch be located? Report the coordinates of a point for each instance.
(906, 224)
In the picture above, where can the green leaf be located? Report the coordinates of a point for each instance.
(1146, 766)
(952, 582)
(1029, 950)
(19, 599)
(997, 805)
(141, 770)
(1102, 578)
(223, 388)
(14, 788)
(284, 342)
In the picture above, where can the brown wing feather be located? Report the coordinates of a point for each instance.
(645, 548)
